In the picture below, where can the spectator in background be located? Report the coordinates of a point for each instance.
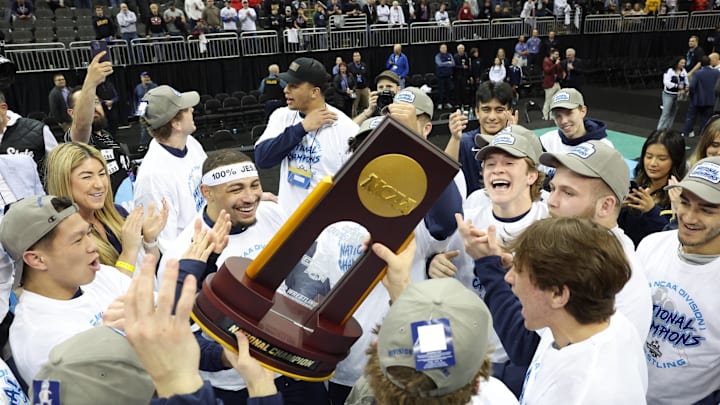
(702, 96)
(550, 43)
(423, 11)
(444, 64)
(398, 63)
(476, 70)
(504, 60)
(275, 21)
(336, 68)
(441, 16)
(397, 17)
(514, 77)
(288, 18)
(574, 69)
(533, 46)
(461, 74)
(175, 20)
(320, 18)
(194, 11)
(360, 72)
(465, 13)
(146, 84)
(104, 27)
(370, 11)
(211, 16)
(693, 56)
(637, 9)
(383, 12)
(334, 7)
(675, 83)
(247, 17)
(552, 72)
(496, 12)
(521, 51)
(57, 100)
(155, 25)
(652, 6)
(22, 10)
(127, 21)
(344, 84)
(272, 86)
(229, 17)
(497, 72)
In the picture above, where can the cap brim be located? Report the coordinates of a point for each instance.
(569, 106)
(705, 192)
(290, 77)
(482, 153)
(574, 164)
(189, 99)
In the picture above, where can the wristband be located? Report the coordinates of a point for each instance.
(125, 266)
(149, 245)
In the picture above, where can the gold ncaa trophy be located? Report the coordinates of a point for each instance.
(391, 181)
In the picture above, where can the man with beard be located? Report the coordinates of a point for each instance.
(89, 124)
(232, 189)
(682, 269)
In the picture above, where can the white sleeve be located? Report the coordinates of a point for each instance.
(49, 138)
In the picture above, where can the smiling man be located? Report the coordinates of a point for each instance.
(493, 110)
(569, 111)
(65, 288)
(682, 267)
(308, 138)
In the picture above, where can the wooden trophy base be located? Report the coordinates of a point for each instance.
(283, 340)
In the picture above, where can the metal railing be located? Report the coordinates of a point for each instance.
(213, 46)
(38, 57)
(159, 49)
(704, 20)
(348, 33)
(429, 32)
(471, 30)
(81, 55)
(602, 24)
(260, 43)
(388, 35)
(502, 28)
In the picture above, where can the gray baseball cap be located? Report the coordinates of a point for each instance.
(567, 98)
(413, 95)
(161, 104)
(516, 140)
(595, 159)
(703, 180)
(25, 223)
(433, 302)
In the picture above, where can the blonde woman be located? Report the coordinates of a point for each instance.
(79, 171)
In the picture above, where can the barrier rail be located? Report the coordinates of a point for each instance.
(56, 56)
(638, 23)
(602, 24)
(471, 30)
(429, 32)
(159, 49)
(672, 22)
(502, 28)
(213, 46)
(389, 35)
(259, 43)
(704, 20)
(81, 55)
(38, 57)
